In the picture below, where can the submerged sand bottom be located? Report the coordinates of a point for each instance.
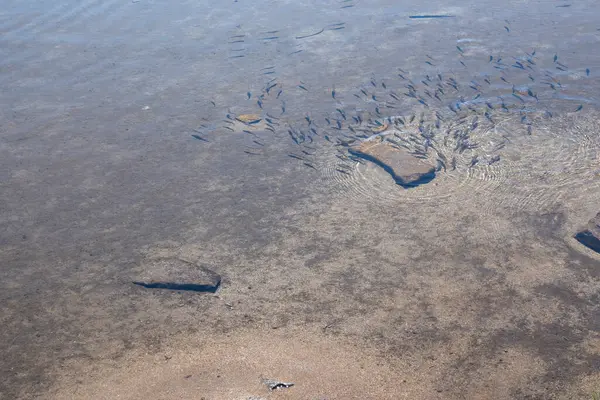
(233, 366)
(321, 366)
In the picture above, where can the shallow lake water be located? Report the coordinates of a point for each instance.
(122, 141)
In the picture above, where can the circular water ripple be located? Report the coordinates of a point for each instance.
(535, 171)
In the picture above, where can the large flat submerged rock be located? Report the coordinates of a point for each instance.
(590, 236)
(408, 171)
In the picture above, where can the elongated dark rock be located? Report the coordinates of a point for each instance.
(176, 274)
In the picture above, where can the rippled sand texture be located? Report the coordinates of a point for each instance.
(333, 277)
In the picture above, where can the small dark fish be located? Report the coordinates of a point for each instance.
(364, 92)
(312, 34)
(518, 97)
(587, 72)
(310, 165)
(270, 38)
(257, 142)
(439, 165)
(236, 41)
(199, 138)
(374, 97)
(348, 6)
(474, 161)
(333, 93)
(383, 85)
(579, 108)
(249, 95)
(459, 49)
(491, 58)
(342, 171)
(227, 127)
(251, 153)
(555, 57)
(507, 29)
(295, 52)
(342, 113)
(464, 65)
(268, 89)
(494, 159)
(562, 65)
(213, 103)
(293, 136)
(564, 5)
(279, 93)
(259, 104)
(529, 130)
(328, 121)
(430, 16)
(429, 63)
(302, 87)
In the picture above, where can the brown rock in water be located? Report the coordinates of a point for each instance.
(407, 171)
(590, 236)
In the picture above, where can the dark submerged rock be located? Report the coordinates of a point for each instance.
(590, 237)
(176, 274)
